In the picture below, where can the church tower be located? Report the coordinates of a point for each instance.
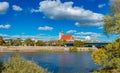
(60, 35)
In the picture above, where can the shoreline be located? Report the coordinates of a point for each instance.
(28, 49)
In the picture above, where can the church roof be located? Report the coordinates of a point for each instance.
(66, 37)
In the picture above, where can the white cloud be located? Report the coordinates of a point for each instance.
(45, 28)
(3, 7)
(54, 9)
(71, 31)
(83, 38)
(101, 5)
(3, 35)
(87, 38)
(17, 8)
(92, 34)
(100, 27)
(7, 26)
(36, 37)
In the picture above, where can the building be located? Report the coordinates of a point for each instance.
(65, 37)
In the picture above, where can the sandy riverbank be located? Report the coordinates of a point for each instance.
(40, 48)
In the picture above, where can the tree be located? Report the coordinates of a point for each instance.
(1, 40)
(108, 57)
(29, 42)
(60, 43)
(40, 43)
(112, 20)
(17, 42)
(99, 56)
(78, 43)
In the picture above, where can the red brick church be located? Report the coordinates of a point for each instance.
(65, 37)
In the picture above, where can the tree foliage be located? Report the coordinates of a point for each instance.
(99, 56)
(1, 41)
(29, 42)
(112, 20)
(40, 43)
(78, 43)
(60, 43)
(108, 57)
(17, 42)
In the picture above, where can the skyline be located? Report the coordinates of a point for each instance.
(44, 19)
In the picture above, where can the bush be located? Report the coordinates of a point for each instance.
(20, 65)
(108, 57)
(40, 43)
(73, 49)
(78, 43)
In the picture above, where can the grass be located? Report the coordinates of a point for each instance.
(17, 64)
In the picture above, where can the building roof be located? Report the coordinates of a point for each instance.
(67, 37)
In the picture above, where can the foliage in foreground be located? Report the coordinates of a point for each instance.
(108, 58)
(112, 20)
(20, 65)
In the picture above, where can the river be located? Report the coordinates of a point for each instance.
(60, 62)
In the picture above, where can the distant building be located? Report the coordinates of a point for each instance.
(65, 37)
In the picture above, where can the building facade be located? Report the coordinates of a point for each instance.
(65, 37)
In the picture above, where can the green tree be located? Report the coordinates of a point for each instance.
(40, 43)
(29, 42)
(17, 42)
(1, 40)
(99, 56)
(10, 42)
(50, 42)
(6, 44)
(78, 43)
(60, 43)
(112, 51)
(112, 20)
(108, 57)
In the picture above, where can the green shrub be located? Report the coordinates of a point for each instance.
(78, 43)
(108, 57)
(73, 49)
(20, 65)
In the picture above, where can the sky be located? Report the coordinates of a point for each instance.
(44, 19)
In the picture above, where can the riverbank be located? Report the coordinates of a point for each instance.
(41, 49)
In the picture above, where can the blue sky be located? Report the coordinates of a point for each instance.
(44, 19)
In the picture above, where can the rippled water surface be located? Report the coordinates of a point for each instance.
(60, 62)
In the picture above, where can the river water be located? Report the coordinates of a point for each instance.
(60, 62)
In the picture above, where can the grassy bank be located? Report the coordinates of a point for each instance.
(17, 64)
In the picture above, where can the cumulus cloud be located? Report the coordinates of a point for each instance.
(45, 28)
(17, 8)
(71, 31)
(55, 9)
(101, 5)
(7, 26)
(3, 7)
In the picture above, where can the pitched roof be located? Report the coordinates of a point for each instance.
(66, 37)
